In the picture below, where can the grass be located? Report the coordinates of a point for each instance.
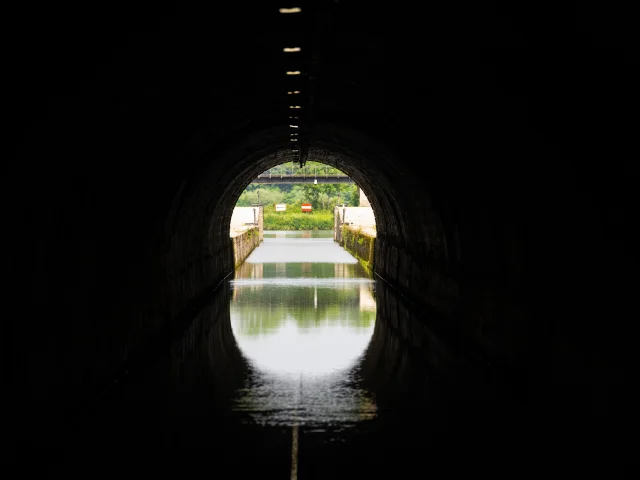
(317, 220)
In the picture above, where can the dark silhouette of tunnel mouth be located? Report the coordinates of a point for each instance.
(367, 162)
(408, 230)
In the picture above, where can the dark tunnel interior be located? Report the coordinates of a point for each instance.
(495, 141)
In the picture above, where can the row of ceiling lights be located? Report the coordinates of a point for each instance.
(294, 120)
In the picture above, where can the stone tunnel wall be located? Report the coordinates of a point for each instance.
(177, 249)
(486, 206)
(410, 365)
(196, 373)
(209, 346)
(418, 237)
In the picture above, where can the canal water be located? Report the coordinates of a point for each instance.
(303, 313)
(302, 366)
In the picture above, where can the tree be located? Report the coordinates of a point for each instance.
(260, 195)
(323, 200)
(321, 197)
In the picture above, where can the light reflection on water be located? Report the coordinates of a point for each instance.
(303, 327)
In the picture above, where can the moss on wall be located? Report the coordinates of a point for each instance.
(359, 244)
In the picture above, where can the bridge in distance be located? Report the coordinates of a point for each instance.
(266, 178)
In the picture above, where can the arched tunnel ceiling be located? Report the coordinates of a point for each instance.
(368, 162)
(493, 136)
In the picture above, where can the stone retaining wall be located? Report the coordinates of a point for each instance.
(359, 243)
(244, 244)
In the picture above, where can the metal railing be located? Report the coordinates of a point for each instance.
(303, 174)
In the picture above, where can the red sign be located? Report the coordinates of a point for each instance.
(306, 207)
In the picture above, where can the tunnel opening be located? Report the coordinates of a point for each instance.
(410, 234)
(316, 196)
(416, 248)
(204, 226)
(302, 311)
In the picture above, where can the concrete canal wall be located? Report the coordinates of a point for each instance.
(358, 217)
(246, 231)
(244, 243)
(354, 228)
(359, 243)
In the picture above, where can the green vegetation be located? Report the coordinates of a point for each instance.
(265, 310)
(359, 244)
(310, 169)
(322, 197)
(257, 322)
(304, 270)
(296, 220)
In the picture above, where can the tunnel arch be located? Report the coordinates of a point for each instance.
(199, 252)
(519, 118)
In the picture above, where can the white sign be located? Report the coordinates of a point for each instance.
(281, 207)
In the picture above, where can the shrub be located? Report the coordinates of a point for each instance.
(292, 220)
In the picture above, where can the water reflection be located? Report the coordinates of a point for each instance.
(303, 327)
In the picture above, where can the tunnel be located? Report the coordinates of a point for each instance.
(495, 142)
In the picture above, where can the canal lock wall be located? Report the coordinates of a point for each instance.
(355, 230)
(358, 243)
(244, 244)
(246, 231)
